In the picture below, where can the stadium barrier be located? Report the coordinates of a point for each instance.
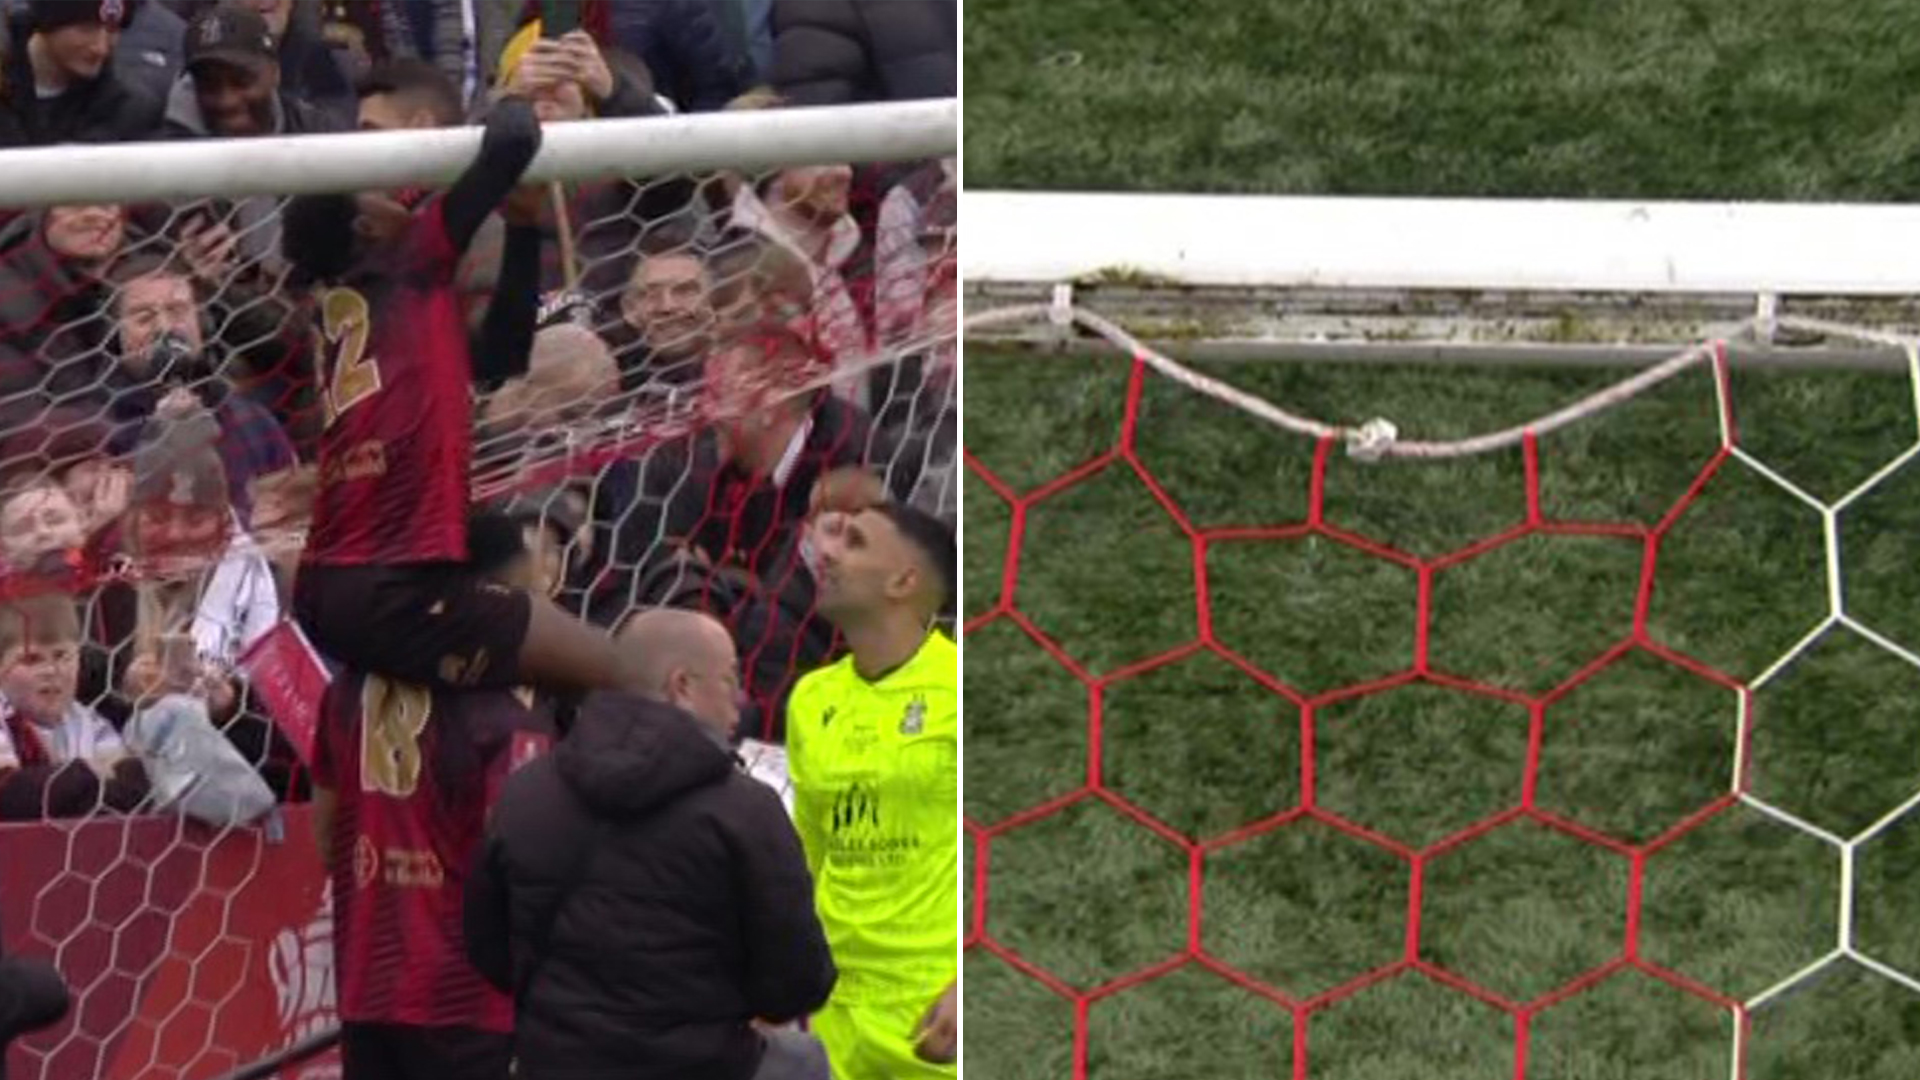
(189, 951)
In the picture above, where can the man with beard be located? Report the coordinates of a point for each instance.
(232, 90)
(873, 750)
(163, 353)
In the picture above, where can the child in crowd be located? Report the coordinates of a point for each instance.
(58, 757)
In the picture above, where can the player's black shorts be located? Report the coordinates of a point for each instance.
(434, 624)
(393, 1052)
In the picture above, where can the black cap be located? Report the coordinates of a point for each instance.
(232, 35)
(54, 14)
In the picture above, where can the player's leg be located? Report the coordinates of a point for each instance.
(444, 1053)
(561, 651)
(366, 1053)
(442, 626)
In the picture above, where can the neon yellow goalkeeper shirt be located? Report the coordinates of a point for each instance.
(875, 769)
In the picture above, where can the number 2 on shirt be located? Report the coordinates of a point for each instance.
(345, 323)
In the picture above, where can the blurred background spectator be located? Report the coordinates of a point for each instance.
(836, 52)
(804, 209)
(712, 521)
(59, 84)
(148, 56)
(666, 319)
(233, 85)
(696, 61)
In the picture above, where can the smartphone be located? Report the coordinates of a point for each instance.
(558, 18)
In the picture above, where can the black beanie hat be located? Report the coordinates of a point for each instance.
(54, 14)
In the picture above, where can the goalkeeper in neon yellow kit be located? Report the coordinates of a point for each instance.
(873, 745)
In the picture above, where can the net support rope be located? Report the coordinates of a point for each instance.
(1379, 437)
(982, 835)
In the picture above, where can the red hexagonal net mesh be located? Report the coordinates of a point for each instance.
(1201, 853)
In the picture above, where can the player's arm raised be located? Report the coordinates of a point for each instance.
(506, 335)
(511, 140)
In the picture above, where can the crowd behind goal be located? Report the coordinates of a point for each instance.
(718, 359)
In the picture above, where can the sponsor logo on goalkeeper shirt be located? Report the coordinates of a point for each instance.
(858, 839)
(856, 806)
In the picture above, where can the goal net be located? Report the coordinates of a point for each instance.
(1479, 654)
(739, 312)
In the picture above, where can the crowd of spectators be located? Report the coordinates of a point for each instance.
(719, 353)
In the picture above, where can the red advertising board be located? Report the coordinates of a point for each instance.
(190, 952)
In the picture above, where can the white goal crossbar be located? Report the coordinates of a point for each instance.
(1458, 244)
(357, 161)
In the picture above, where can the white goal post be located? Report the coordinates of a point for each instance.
(597, 149)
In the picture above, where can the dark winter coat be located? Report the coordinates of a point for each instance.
(102, 109)
(686, 46)
(837, 52)
(312, 71)
(152, 50)
(53, 322)
(692, 914)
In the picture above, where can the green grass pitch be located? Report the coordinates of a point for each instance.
(1681, 99)
(1737, 904)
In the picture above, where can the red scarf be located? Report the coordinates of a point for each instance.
(26, 741)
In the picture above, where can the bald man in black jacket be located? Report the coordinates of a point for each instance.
(642, 898)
